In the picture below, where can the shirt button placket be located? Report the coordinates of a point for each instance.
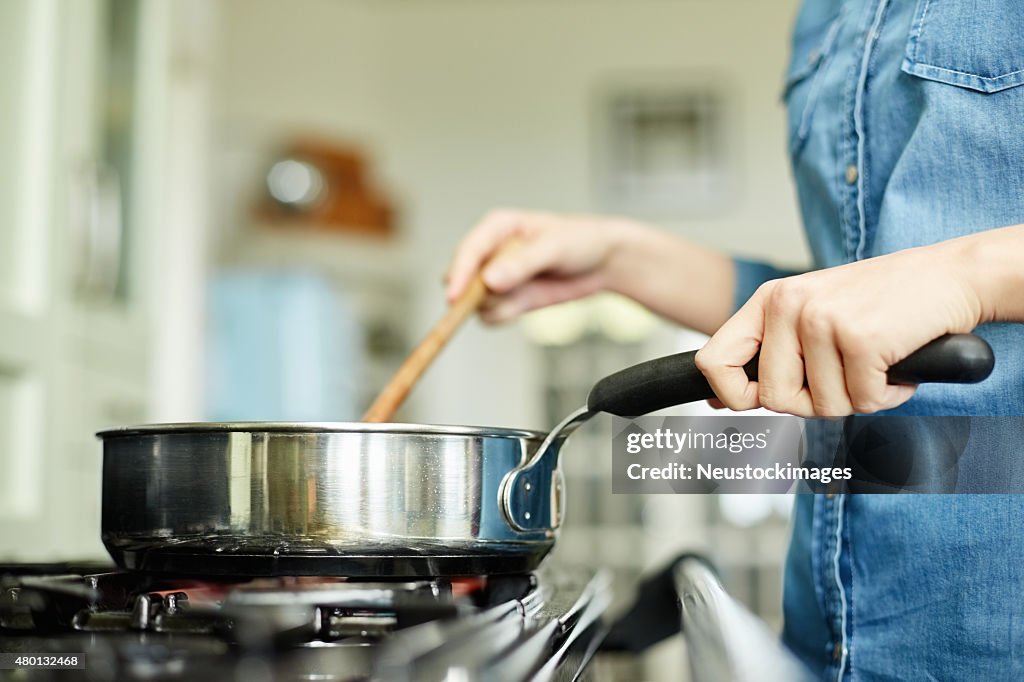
(829, 545)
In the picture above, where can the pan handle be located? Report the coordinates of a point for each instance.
(531, 494)
(675, 379)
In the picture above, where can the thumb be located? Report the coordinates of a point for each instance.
(520, 263)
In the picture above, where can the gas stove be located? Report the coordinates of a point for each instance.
(135, 626)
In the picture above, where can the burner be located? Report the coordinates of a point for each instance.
(160, 627)
(182, 558)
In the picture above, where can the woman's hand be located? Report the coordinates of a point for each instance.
(561, 258)
(565, 257)
(828, 337)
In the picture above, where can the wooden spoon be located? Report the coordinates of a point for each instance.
(391, 398)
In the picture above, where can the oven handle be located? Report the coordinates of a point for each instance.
(724, 641)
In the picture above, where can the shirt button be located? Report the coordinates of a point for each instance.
(831, 490)
(851, 174)
(837, 651)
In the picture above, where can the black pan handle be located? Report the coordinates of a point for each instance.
(675, 379)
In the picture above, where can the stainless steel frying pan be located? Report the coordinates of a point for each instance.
(383, 499)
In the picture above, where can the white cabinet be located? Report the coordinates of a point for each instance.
(100, 271)
(29, 35)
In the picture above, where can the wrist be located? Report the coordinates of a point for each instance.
(629, 253)
(993, 266)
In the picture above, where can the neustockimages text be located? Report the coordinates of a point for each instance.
(707, 472)
(732, 441)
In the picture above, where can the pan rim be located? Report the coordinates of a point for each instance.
(396, 428)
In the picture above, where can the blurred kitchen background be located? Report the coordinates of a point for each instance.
(242, 209)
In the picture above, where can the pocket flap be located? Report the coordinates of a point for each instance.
(810, 47)
(977, 45)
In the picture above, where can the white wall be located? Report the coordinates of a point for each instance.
(470, 104)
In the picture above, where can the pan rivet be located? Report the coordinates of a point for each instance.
(527, 515)
(528, 486)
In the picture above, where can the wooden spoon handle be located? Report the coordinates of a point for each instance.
(394, 393)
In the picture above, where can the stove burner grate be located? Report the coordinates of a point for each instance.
(158, 627)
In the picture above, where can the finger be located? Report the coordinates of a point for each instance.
(477, 246)
(721, 360)
(780, 376)
(536, 294)
(716, 404)
(823, 365)
(867, 382)
(894, 396)
(515, 268)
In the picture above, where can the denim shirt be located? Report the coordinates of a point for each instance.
(906, 128)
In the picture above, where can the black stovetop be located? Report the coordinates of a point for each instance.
(133, 626)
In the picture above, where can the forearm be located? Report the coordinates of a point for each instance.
(993, 263)
(689, 284)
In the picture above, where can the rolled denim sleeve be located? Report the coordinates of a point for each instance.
(751, 274)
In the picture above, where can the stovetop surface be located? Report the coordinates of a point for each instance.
(134, 626)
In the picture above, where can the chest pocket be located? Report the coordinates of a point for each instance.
(977, 45)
